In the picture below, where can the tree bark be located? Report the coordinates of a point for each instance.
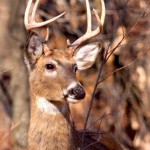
(12, 37)
(19, 74)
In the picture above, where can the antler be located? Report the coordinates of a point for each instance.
(30, 23)
(89, 33)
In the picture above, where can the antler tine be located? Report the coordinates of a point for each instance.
(103, 14)
(34, 10)
(31, 24)
(27, 11)
(89, 20)
(89, 33)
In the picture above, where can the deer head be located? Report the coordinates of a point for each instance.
(53, 72)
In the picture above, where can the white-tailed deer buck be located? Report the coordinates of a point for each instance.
(53, 85)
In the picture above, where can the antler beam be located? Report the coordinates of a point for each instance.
(30, 23)
(89, 33)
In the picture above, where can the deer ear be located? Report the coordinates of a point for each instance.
(34, 50)
(86, 55)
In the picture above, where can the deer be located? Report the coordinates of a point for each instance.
(53, 84)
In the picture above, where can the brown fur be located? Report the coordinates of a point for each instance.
(50, 131)
(54, 132)
(50, 87)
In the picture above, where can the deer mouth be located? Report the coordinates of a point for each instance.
(72, 100)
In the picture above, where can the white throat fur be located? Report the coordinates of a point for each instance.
(46, 106)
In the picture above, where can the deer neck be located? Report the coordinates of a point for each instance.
(49, 125)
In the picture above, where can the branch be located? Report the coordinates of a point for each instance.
(123, 66)
(106, 57)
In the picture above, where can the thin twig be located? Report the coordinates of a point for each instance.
(93, 143)
(133, 27)
(99, 119)
(129, 64)
(86, 147)
(93, 94)
(6, 70)
(104, 116)
(130, 31)
(13, 127)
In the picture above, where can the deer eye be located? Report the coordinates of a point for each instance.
(50, 67)
(75, 68)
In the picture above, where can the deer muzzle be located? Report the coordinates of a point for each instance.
(77, 92)
(74, 93)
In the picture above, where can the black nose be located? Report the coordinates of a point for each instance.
(78, 92)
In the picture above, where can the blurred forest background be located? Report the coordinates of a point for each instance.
(121, 104)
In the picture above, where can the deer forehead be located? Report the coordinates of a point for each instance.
(56, 57)
(58, 53)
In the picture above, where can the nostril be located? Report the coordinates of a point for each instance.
(78, 92)
(71, 92)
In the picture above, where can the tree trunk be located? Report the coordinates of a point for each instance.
(12, 38)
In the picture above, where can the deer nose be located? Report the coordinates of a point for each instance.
(77, 92)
